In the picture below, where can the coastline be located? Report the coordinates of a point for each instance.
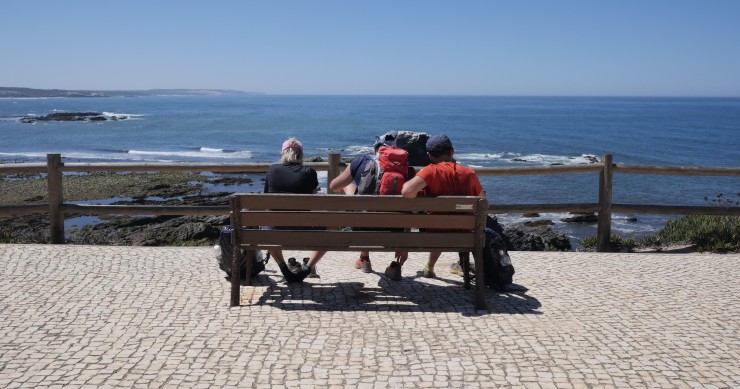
(142, 188)
(176, 188)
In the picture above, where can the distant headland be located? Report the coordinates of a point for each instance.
(29, 92)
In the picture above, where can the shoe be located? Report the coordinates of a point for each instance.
(311, 270)
(294, 266)
(393, 271)
(364, 265)
(290, 276)
(455, 268)
(428, 272)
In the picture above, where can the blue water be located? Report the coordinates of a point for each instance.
(486, 131)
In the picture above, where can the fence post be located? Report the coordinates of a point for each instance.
(604, 229)
(334, 160)
(54, 187)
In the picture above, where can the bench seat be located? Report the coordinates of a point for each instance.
(358, 223)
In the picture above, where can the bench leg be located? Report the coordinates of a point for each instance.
(236, 261)
(480, 286)
(250, 256)
(465, 265)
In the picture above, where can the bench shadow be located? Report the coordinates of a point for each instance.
(412, 294)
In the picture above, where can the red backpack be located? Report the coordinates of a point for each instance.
(393, 166)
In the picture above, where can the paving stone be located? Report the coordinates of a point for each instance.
(94, 316)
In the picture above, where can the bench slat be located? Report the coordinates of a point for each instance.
(351, 241)
(344, 219)
(252, 209)
(347, 203)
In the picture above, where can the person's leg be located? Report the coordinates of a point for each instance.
(277, 255)
(429, 268)
(315, 258)
(350, 189)
(364, 261)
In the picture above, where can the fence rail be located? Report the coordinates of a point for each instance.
(57, 208)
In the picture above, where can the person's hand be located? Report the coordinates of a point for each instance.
(402, 256)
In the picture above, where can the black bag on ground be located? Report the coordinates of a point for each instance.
(227, 249)
(497, 267)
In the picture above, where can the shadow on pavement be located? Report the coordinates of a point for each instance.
(412, 294)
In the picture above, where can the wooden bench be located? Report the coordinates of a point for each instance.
(335, 212)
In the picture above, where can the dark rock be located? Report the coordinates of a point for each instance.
(151, 231)
(533, 214)
(537, 223)
(520, 240)
(313, 159)
(581, 218)
(25, 229)
(539, 238)
(230, 180)
(70, 117)
(519, 237)
(632, 219)
(519, 160)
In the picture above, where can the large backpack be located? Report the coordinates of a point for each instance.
(227, 250)
(386, 174)
(497, 267)
(393, 166)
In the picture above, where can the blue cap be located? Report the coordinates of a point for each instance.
(438, 143)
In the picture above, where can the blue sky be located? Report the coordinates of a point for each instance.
(406, 47)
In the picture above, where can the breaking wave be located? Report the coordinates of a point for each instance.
(533, 159)
(203, 154)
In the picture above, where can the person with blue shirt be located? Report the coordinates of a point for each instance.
(348, 181)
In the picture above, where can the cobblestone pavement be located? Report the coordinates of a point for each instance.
(94, 316)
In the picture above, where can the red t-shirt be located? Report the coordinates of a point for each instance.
(450, 179)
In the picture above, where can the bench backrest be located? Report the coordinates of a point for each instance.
(462, 217)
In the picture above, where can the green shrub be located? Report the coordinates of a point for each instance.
(714, 233)
(616, 243)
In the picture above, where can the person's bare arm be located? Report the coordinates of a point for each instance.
(342, 180)
(412, 187)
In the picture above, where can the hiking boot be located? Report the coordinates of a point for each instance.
(393, 271)
(290, 276)
(364, 265)
(428, 272)
(294, 266)
(455, 268)
(311, 270)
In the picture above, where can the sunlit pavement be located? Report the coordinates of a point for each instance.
(95, 316)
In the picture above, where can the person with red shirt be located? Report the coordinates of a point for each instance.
(443, 177)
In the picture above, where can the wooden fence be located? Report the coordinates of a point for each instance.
(57, 208)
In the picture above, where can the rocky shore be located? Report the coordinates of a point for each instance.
(170, 189)
(72, 117)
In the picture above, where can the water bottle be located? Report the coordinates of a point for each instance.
(504, 258)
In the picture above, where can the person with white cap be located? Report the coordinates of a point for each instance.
(291, 176)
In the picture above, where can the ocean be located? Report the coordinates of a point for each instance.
(486, 131)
